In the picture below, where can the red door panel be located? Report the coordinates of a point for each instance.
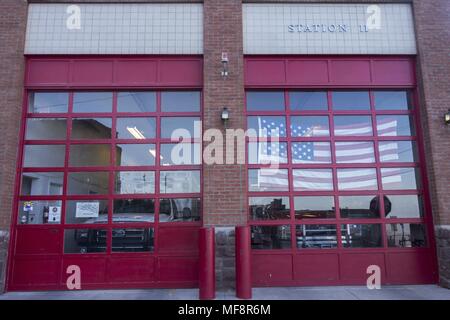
(130, 269)
(354, 266)
(314, 268)
(38, 241)
(178, 239)
(93, 269)
(34, 271)
(410, 267)
(178, 268)
(267, 269)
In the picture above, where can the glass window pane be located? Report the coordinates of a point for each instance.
(42, 183)
(136, 101)
(134, 182)
(265, 100)
(90, 102)
(91, 128)
(312, 179)
(87, 155)
(133, 240)
(360, 206)
(361, 235)
(316, 236)
(308, 100)
(134, 210)
(406, 235)
(86, 211)
(310, 126)
(391, 100)
(269, 208)
(179, 210)
(314, 207)
(85, 240)
(397, 151)
(351, 100)
(392, 125)
(190, 127)
(403, 206)
(179, 182)
(352, 126)
(48, 102)
(267, 152)
(180, 154)
(268, 180)
(267, 126)
(355, 152)
(271, 237)
(182, 101)
(88, 183)
(357, 179)
(46, 129)
(311, 152)
(400, 178)
(136, 128)
(40, 212)
(44, 156)
(135, 154)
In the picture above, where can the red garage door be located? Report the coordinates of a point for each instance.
(98, 186)
(350, 190)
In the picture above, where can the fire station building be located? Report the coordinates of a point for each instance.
(350, 99)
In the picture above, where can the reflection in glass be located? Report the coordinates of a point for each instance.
(134, 210)
(180, 154)
(187, 127)
(90, 102)
(87, 183)
(44, 156)
(40, 212)
(308, 100)
(136, 128)
(91, 128)
(360, 206)
(351, 100)
(179, 182)
(352, 126)
(87, 155)
(180, 101)
(355, 152)
(133, 239)
(315, 207)
(316, 236)
(85, 240)
(42, 183)
(400, 178)
(311, 152)
(406, 235)
(269, 208)
(405, 206)
(134, 182)
(361, 235)
(267, 126)
(46, 129)
(397, 151)
(86, 211)
(268, 180)
(136, 101)
(48, 102)
(179, 210)
(267, 152)
(271, 237)
(135, 154)
(265, 100)
(310, 126)
(357, 179)
(395, 125)
(312, 179)
(391, 100)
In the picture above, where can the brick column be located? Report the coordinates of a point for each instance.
(224, 185)
(12, 35)
(433, 37)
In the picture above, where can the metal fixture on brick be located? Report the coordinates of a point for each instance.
(447, 117)
(224, 64)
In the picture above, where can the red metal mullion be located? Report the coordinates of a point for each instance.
(157, 170)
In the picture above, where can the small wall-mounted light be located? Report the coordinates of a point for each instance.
(224, 64)
(225, 116)
(447, 117)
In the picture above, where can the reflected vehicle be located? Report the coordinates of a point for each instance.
(316, 236)
(272, 211)
(179, 210)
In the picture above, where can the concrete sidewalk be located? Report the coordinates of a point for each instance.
(425, 292)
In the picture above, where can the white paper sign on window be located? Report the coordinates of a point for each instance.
(87, 210)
